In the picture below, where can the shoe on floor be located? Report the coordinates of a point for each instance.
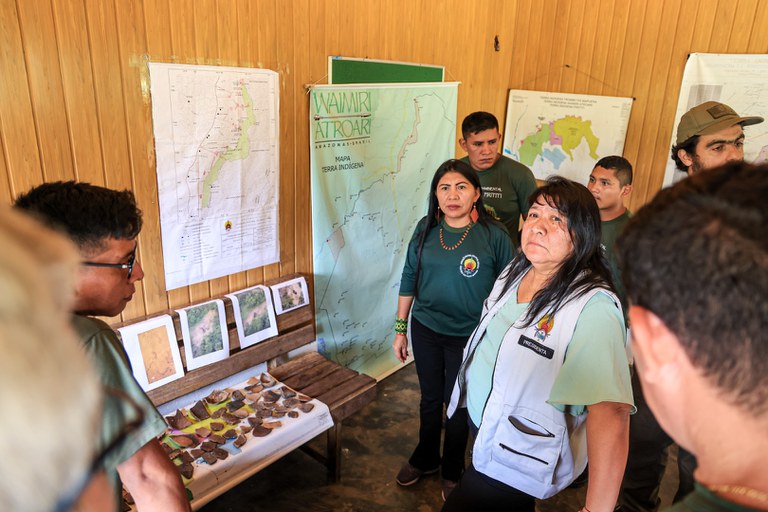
(409, 474)
(448, 486)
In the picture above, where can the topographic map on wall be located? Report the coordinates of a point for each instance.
(374, 150)
(217, 169)
(739, 81)
(565, 134)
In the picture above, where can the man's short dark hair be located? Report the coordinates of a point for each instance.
(697, 257)
(477, 122)
(87, 213)
(620, 166)
(689, 146)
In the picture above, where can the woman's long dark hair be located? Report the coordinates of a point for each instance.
(584, 269)
(431, 220)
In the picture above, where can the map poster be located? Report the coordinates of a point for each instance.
(374, 150)
(564, 134)
(739, 81)
(216, 143)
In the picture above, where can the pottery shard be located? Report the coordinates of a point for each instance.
(216, 438)
(183, 441)
(186, 471)
(199, 411)
(210, 458)
(217, 396)
(253, 397)
(230, 418)
(174, 454)
(220, 454)
(178, 421)
(230, 434)
(202, 432)
(187, 458)
(255, 388)
(235, 405)
(270, 396)
(267, 380)
(208, 446)
(253, 381)
(240, 413)
(259, 431)
(196, 453)
(218, 412)
(293, 414)
(245, 429)
(272, 424)
(306, 407)
(237, 395)
(287, 392)
(290, 403)
(254, 421)
(167, 448)
(303, 398)
(240, 441)
(278, 414)
(216, 426)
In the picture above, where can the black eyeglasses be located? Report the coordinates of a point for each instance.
(128, 265)
(67, 501)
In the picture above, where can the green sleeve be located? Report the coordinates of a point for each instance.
(596, 368)
(408, 277)
(502, 247)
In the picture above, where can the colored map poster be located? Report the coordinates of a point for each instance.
(216, 143)
(739, 81)
(565, 134)
(374, 150)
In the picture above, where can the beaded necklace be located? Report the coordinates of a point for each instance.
(451, 248)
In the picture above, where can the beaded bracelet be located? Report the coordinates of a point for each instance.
(401, 326)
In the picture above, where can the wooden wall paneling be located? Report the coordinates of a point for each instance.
(302, 65)
(495, 69)
(721, 32)
(742, 28)
(43, 67)
(111, 139)
(704, 21)
(134, 77)
(544, 67)
(158, 30)
(18, 134)
(652, 145)
(585, 82)
(758, 42)
(557, 56)
(617, 31)
(502, 16)
(79, 104)
(603, 34)
(535, 43)
(5, 178)
(573, 43)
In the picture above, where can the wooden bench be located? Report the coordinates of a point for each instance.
(344, 391)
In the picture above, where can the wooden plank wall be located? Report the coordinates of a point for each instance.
(74, 92)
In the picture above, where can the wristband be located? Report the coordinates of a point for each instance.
(401, 326)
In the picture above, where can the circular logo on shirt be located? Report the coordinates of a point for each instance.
(469, 265)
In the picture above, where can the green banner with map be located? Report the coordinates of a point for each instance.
(374, 149)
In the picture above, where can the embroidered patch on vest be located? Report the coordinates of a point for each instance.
(469, 265)
(540, 349)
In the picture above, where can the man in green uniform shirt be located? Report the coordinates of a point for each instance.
(506, 183)
(611, 182)
(695, 266)
(104, 224)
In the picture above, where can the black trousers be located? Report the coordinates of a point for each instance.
(476, 491)
(647, 460)
(438, 358)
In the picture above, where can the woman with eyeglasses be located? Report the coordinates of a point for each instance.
(453, 258)
(545, 375)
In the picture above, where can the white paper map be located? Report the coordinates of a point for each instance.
(216, 141)
(374, 150)
(739, 81)
(564, 134)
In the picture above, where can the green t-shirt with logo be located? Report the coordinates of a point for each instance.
(453, 284)
(506, 187)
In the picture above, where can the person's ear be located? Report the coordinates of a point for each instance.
(463, 144)
(657, 349)
(625, 191)
(685, 157)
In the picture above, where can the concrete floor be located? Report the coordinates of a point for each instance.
(375, 443)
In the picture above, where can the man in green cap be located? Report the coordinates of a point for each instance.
(710, 135)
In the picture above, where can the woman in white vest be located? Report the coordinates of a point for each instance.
(545, 375)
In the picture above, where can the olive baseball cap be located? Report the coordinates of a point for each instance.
(710, 117)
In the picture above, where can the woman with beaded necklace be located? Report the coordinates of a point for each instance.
(453, 259)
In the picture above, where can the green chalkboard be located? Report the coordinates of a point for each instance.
(345, 70)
